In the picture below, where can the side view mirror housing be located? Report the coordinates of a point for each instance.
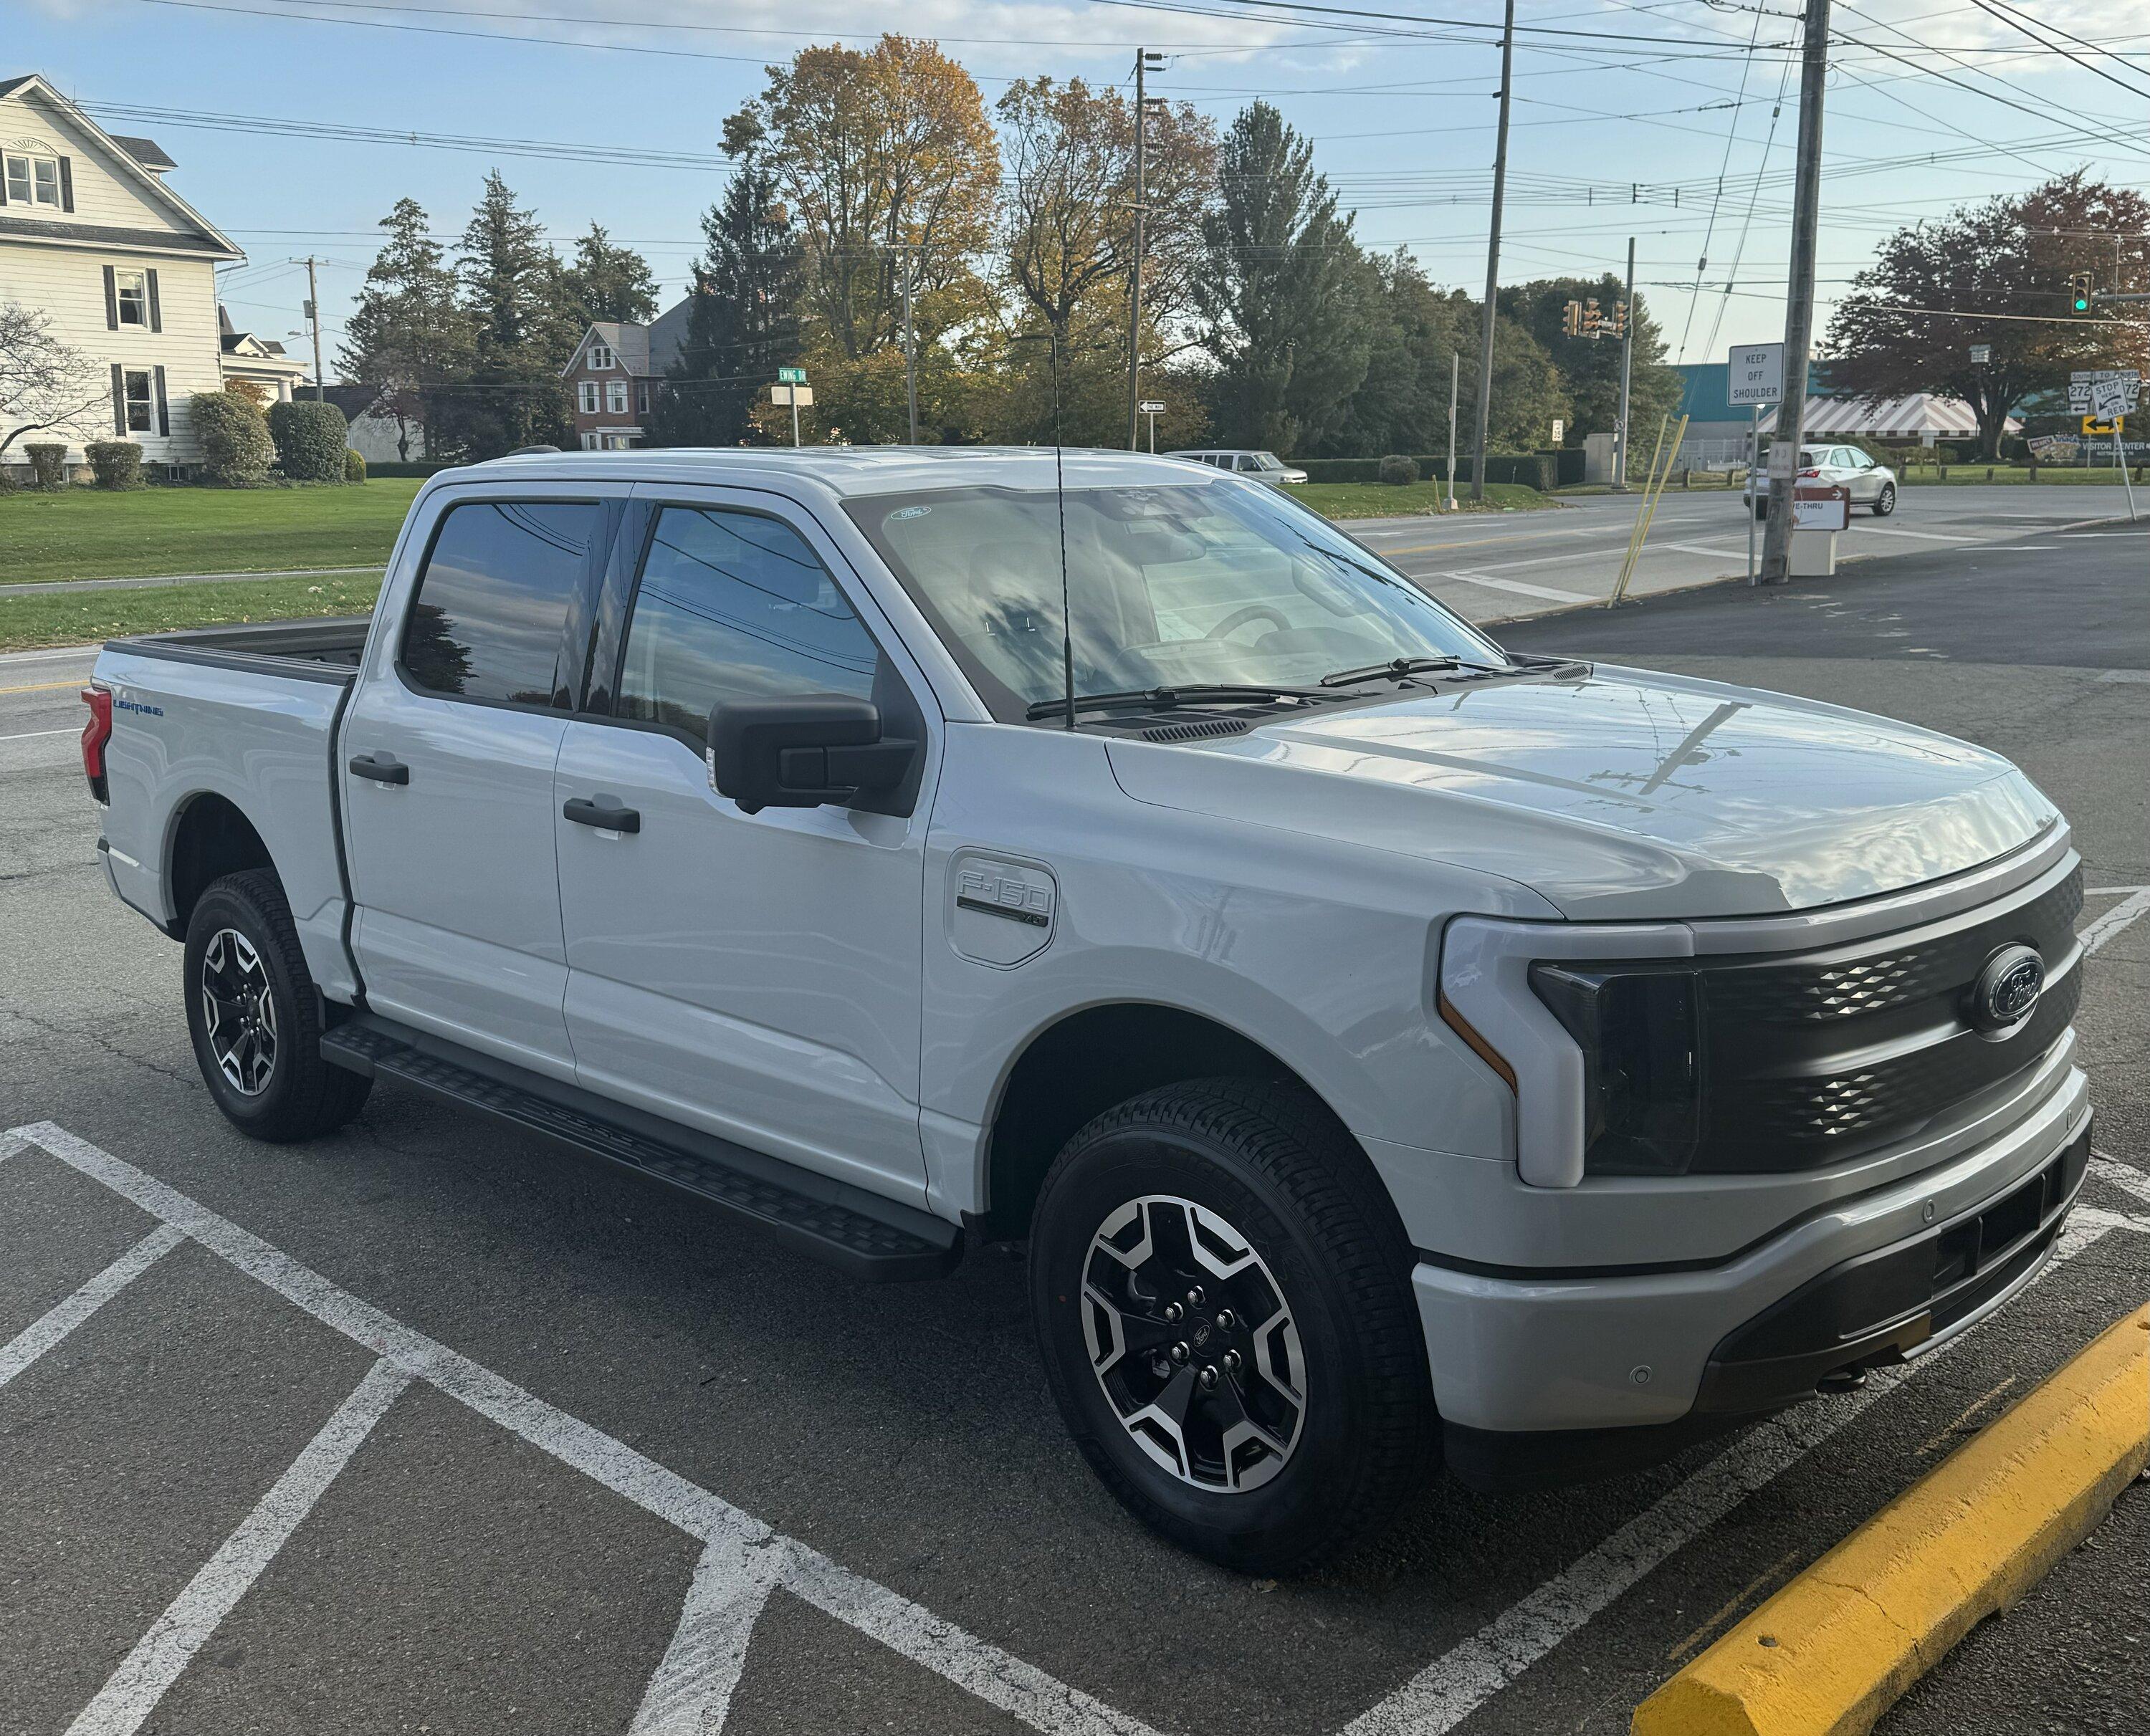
(809, 751)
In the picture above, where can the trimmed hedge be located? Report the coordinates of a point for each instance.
(415, 467)
(47, 462)
(234, 437)
(311, 439)
(1541, 470)
(118, 463)
(1397, 470)
(354, 466)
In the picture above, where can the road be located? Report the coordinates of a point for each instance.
(1490, 566)
(647, 1446)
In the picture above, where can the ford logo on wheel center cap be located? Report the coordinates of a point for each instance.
(2006, 990)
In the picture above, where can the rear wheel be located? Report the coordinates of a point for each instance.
(255, 1015)
(1223, 1299)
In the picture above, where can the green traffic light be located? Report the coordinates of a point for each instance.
(2083, 304)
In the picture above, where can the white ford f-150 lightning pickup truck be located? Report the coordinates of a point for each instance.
(1392, 1050)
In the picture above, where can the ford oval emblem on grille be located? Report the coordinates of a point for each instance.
(2006, 989)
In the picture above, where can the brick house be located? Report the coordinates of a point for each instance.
(615, 372)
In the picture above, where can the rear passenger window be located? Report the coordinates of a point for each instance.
(735, 605)
(491, 609)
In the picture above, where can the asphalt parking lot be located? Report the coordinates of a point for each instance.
(423, 1427)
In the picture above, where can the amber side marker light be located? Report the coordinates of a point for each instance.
(1470, 1033)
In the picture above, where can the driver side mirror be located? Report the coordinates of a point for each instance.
(811, 751)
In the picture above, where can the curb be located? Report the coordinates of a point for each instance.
(1833, 1649)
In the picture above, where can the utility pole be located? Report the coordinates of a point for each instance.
(909, 346)
(1798, 311)
(1493, 260)
(314, 319)
(1455, 380)
(1145, 60)
(1627, 376)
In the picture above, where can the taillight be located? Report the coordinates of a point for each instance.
(95, 734)
(1810, 473)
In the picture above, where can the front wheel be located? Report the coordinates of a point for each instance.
(254, 1016)
(1885, 502)
(1222, 1299)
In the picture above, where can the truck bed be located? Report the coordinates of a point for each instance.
(324, 648)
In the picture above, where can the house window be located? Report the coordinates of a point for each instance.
(586, 395)
(642, 397)
(132, 287)
(616, 396)
(589, 443)
(34, 181)
(601, 356)
(139, 407)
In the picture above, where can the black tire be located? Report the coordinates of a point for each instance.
(1270, 1162)
(1885, 502)
(298, 1094)
(1761, 509)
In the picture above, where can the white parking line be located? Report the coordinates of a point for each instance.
(1544, 591)
(124, 1705)
(1469, 1674)
(2134, 904)
(31, 735)
(41, 1334)
(691, 1692)
(983, 1669)
(1923, 536)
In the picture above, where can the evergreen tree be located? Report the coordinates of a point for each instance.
(1286, 305)
(743, 323)
(523, 331)
(1590, 370)
(609, 282)
(408, 334)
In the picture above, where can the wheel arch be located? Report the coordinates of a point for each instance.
(210, 837)
(1082, 1064)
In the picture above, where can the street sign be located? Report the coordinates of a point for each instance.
(1559, 428)
(1981, 354)
(1151, 407)
(2113, 393)
(1821, 509)
(792, 376)
(1756, 376)
(2096, 425)
(798, 396)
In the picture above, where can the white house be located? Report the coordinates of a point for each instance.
(125, 269)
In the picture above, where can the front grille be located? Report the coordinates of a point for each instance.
(1808, 1061)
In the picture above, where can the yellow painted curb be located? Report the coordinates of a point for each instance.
(1834, 1648)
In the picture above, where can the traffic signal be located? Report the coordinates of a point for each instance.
(1571, 320)
(1593, 322)
(1619, 327)
(2079, 292)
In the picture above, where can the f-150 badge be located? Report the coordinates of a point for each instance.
(1002, 911)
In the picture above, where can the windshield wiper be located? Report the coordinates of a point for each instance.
(1194, 693)
(1403, 668)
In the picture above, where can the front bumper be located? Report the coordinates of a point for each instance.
(1843, 1287)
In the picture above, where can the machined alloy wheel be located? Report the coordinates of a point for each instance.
(1191, 1339)
(1885, 502)
(239, 1012)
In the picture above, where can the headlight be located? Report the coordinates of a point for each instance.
(1642, 1063)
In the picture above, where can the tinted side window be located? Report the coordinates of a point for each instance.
(734, 606)
(491, 608)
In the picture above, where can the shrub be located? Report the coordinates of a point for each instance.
(233, 438)
(1396, 469)
(118, 463)
(310, 437)
(47, 462)
(354, 466)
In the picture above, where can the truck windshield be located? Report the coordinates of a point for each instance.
(1185, 584)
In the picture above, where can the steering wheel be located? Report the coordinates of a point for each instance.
(1239, 617)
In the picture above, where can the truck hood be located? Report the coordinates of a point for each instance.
(1622, 795)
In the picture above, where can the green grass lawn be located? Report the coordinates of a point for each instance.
(86, 533)
(1409, 500)
(84, 617)
(1967, 475)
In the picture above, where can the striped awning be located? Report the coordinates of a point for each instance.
(1923, 415)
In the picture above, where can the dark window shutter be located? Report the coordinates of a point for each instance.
(67, 183)
(3, 184)
(111, 301)
(156, 309)
(163, 410)
(119, 390)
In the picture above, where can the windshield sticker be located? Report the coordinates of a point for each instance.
(901, 513)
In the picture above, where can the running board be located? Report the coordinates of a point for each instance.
(875, 1239)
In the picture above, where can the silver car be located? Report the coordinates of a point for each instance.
(1872, 485)
(1262, 466)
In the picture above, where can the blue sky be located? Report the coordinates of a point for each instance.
(1612, 96)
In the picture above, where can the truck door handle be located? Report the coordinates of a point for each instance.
(603, 813)
(381, 768)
